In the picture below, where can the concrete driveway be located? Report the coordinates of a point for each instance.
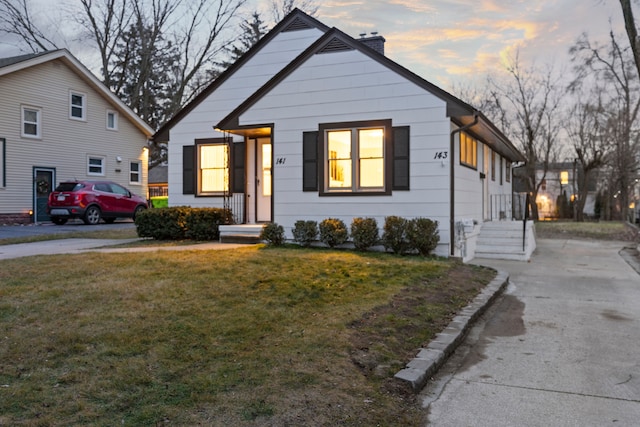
(559, 348)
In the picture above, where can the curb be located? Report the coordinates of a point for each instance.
(428, 360)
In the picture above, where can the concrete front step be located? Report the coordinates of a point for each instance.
(240, 233)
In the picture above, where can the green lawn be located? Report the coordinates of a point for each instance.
(255, 336)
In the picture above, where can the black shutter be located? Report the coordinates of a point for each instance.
(401, 158)
(238, 167)
(310, 161)
(188, 169)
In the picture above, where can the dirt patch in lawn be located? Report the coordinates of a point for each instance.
(386, 338)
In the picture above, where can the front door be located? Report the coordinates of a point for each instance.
(43, 183)
(264, 184)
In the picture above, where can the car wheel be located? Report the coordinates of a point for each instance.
(109, 220)
(137, 211)
(59, 221)
(92, 215)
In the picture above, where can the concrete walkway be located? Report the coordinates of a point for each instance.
(559, 348)
(71, 246)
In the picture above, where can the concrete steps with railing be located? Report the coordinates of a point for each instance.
(504, 240)
(240, 233)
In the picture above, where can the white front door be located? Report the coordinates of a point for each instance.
(264, 184)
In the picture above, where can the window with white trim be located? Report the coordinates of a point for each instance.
(112, 120)
(135, 172)
(95, 165)
(355, 158)
(77, 106)
(31, 119)
(213, 168)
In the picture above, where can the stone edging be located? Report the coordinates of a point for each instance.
(430, 359)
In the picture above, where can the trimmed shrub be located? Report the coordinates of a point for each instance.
(364, 233)
(162, 224)
(333, 232)
(204, 223)
(422, 234)
(394, 234)
(305, 232)
(181, 222)
(273, 234)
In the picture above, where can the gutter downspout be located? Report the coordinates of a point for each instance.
(452, 209)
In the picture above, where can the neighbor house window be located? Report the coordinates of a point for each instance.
(31, 118)
(77, 106)
(135, 173)
(564, 177)
(508, 171)
(213, 168)
(112, 120)
(468, 151)
(355, 159)
(95, 165)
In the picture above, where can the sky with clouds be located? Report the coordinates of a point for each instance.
(450, 42)
(447, 41)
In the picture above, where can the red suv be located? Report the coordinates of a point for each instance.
(92, 201)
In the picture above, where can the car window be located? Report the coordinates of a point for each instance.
(69, 186)
(119, 190)
(102, 187)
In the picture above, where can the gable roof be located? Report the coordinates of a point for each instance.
(18, 63)
(335, 40)
(296, 20)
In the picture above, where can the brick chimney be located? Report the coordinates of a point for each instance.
(374, 41)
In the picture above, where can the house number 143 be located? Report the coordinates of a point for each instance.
(440, 155)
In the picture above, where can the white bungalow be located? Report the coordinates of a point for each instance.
(312, 123)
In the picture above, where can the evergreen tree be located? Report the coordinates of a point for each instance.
(252, 30)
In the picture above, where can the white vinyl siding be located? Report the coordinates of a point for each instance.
(197, 124)
(3, 166)
(63, 144)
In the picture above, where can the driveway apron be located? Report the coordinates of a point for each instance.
(559, 348)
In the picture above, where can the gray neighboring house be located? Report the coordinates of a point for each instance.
(58, 121)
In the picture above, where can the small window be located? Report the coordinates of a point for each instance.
(564, 177)
(468, 151)
(135, 173)
(112, 120)
(493, 166)
(508, 171)
(31, 119)
(77, 106)
(95, 165)
(213, 168)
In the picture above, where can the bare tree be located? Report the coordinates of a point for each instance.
(632, 31)
(16, 19)
(281, 8)
(613, 66)
(526, 106)
(105, 21)
(586, 129)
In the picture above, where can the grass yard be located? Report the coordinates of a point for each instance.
(602, 230)
(255, 336)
